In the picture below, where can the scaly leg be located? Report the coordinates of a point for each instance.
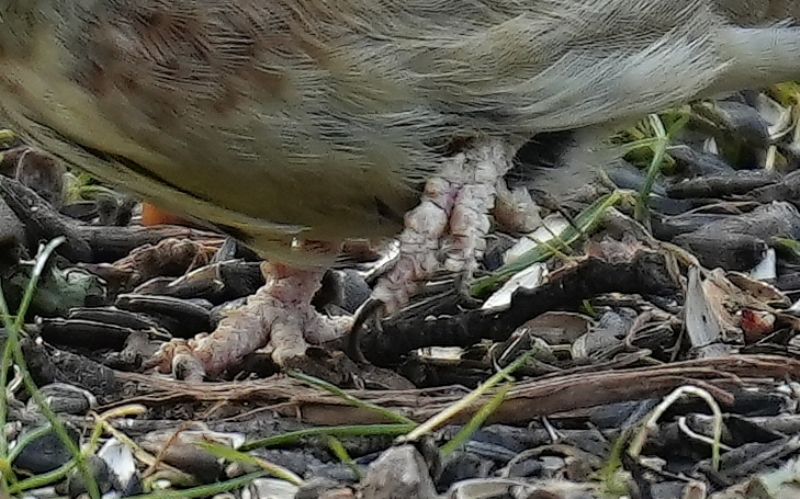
(446, 231)
(280, 314)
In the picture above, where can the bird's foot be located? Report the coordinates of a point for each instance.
(279, 315)
(446, 231)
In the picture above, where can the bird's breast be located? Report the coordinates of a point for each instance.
(316, 200)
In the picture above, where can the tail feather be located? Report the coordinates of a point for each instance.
(758, 56)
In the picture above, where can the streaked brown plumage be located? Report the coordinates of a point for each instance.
(320, 119)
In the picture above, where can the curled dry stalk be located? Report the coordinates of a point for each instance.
(650, 425)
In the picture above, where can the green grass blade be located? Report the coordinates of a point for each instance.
(335, 390)
(335, 445)
(204, 490)
(235, 456)
(586, 222)
(14, 331)
(296, 437)
(475, 423)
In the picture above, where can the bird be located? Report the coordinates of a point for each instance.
(296, 125)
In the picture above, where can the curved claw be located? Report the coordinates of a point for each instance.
(369, 311)
(177, 357)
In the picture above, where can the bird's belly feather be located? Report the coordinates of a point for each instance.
(64, 119)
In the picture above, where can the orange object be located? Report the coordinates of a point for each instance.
(153, 215)
(756, 325)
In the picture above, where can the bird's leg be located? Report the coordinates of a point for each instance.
(447, 230)
(279, 314)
